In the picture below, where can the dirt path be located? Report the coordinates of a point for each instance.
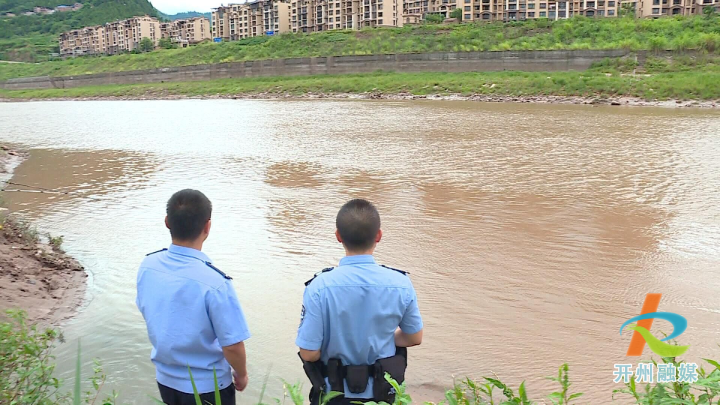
(45, 282)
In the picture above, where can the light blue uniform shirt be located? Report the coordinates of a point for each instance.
(192, 312)
(352, 312)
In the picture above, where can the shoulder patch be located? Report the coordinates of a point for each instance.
(404, 273)
(157, 251)
(225, 276)
(307, 283)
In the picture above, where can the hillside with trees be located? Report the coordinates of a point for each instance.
(31, 38)
(187, 14)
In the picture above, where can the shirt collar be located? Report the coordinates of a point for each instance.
(359, 259)
(189, 252)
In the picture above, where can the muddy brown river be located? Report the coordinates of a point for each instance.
(531, 232)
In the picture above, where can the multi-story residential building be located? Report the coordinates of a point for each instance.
(513, 10)
(326, 15)
(86, 41)
(252, 19)
(659, 8)
(111, 38)
(187, 32)
(125, 35)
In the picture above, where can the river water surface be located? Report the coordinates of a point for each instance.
(531, 232)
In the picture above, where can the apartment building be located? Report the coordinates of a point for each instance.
(86, 41)
(252, 19)
(661, 8)
(187, 32)
(513, 10)
(111, 38)
(327, 15)
(125, 35)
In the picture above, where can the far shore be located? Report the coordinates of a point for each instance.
(576, 100)
(34, 276)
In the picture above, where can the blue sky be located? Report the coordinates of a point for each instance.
(176, 6)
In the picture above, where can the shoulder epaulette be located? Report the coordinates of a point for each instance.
(307, 283)
(157, 251)
(218, 271)
(404, 273)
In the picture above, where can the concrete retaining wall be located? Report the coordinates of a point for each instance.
(422, 62)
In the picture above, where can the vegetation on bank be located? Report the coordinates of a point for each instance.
(681, 34)
(682, 78)
(27, 367)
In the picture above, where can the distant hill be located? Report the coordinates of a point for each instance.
(94, 12)
(32, 38)
(187, 14)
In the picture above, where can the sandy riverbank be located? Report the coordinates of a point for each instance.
(35, 277)
(614, 101)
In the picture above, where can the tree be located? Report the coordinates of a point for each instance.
(434, 18)
(457, 14)
(709, 11)
(147, 45)
(166, 43)
(628, 10)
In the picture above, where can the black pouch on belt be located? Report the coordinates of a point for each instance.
(335, 375)
(395, 366)
(357, 378)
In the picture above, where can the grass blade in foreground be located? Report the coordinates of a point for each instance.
(218, 401)
(195, 391)
(76, 391)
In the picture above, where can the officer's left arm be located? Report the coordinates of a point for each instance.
(411, 326)
(226, 315)
(310, 332)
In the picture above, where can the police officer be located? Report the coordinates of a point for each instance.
(358, 318)
(191, 310)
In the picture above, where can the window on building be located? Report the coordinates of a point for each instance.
(665, 1)
(611, 4)
(531, 6)
(380, 14)
(543, 14)
(467, 17)
(337, 12)
(531, 14)
(543, 6)
(468, 8)
(611, 12)
(486, 16)
(380, 22)
(601, 13)
(656, 11)
(590, 4)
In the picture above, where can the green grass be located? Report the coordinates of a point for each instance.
(666, 80)
(696, 33)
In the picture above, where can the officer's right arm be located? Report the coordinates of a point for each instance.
(410, 332)
(310, 332)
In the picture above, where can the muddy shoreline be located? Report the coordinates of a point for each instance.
(577, 100)
(34, 276)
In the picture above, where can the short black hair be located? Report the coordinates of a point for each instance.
(358, 223)
(187, 212)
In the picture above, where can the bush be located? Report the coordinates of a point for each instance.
(434, 18)
(457, 14)
(166, 43)
(26, 365)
